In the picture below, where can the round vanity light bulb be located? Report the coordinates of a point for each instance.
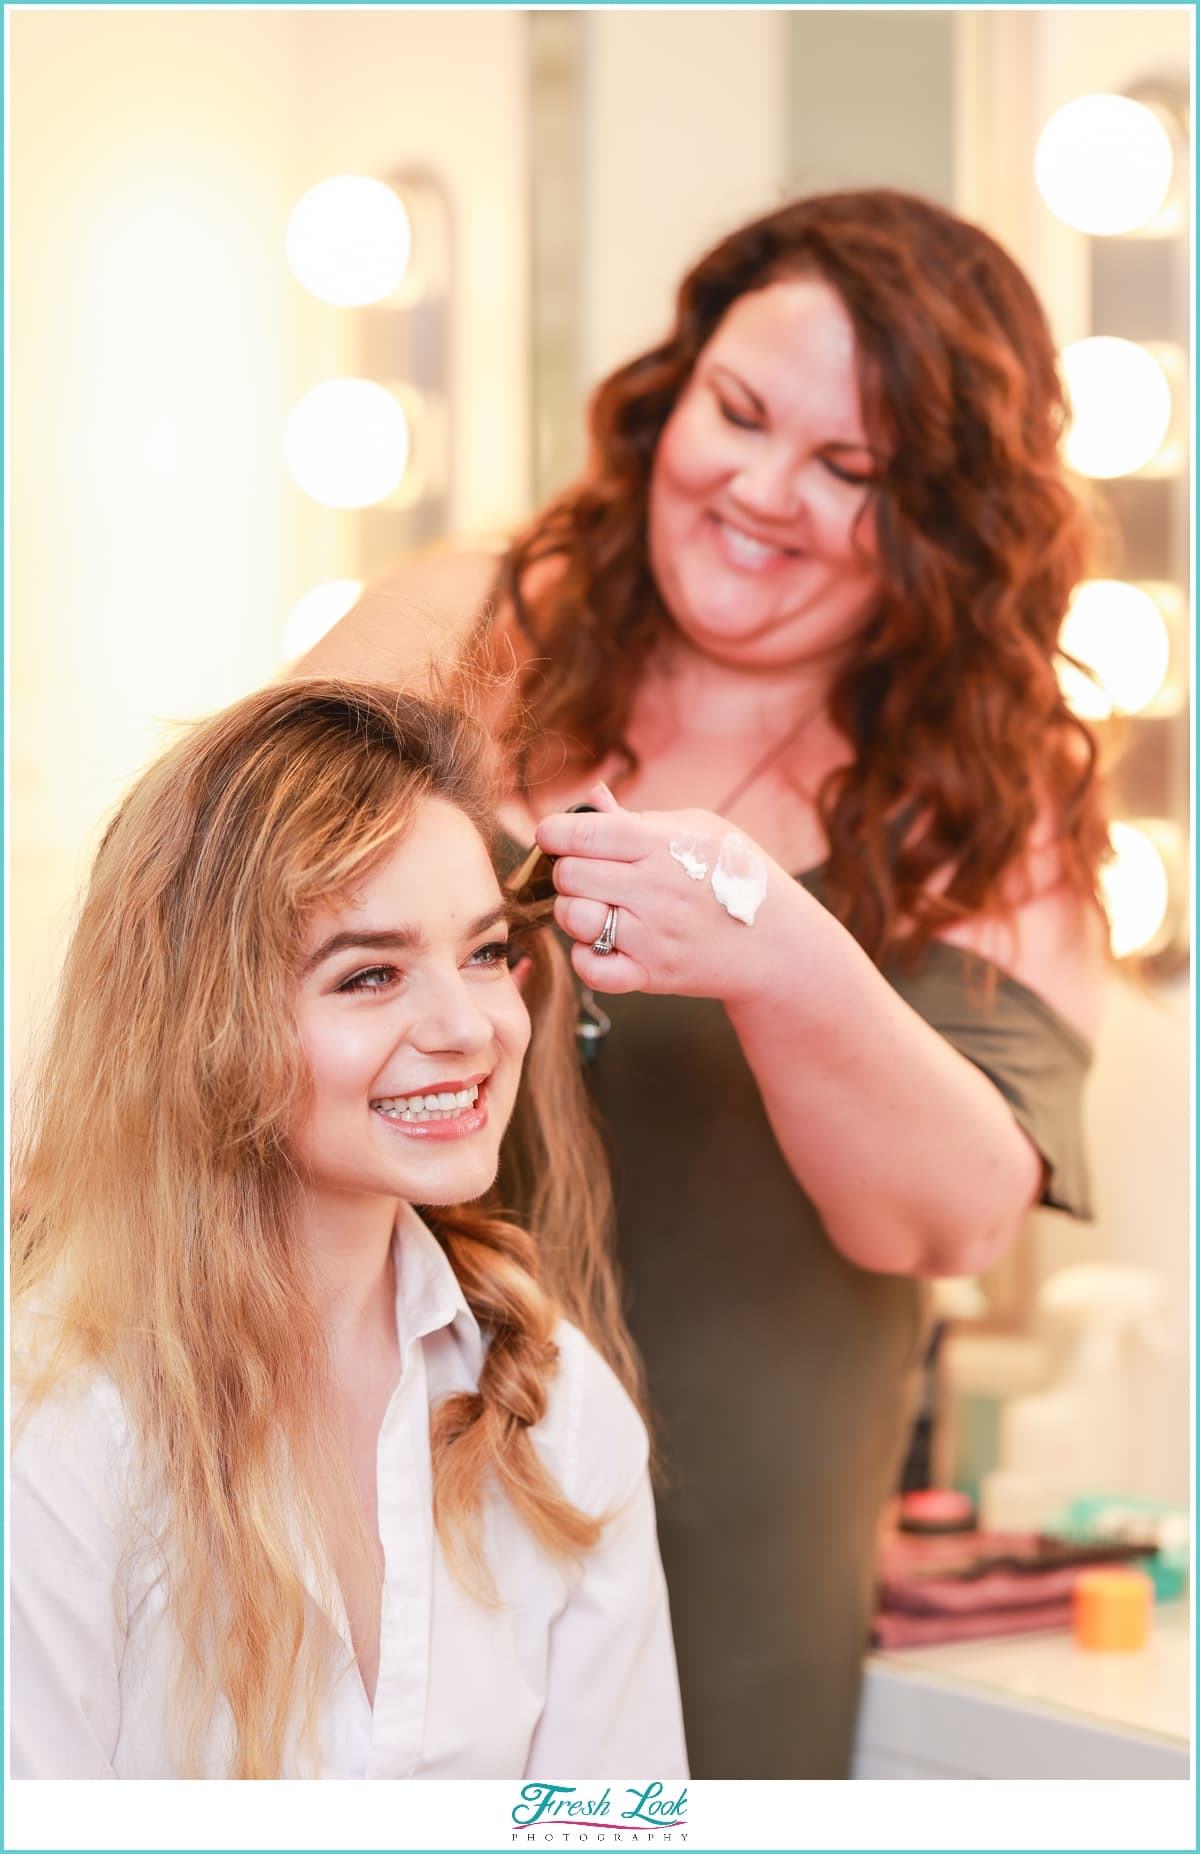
(1136, 888)
(316, 613)
(1104, 164)
(347, 443)
(1120, 633)
(349, 240)
(1120, 403)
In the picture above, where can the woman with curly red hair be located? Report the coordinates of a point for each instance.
(793, 638)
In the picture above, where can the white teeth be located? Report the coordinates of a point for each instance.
(446, 1105)
(745, 548)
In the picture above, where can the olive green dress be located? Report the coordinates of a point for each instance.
(782, 1378)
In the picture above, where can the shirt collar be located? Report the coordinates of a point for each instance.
(429, 1295)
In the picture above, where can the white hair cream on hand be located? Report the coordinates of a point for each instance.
(739, 880)
(692, 853)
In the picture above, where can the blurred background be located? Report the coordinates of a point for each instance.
(193, 495)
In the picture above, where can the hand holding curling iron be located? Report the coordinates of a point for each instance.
(664, 901)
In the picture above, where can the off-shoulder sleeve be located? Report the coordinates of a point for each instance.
(1036, 1060)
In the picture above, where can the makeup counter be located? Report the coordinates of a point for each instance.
(1030, 1706)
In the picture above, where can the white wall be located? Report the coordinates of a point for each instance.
(158, 341)
(1140, 1123)
(684, 136)
(149, 382)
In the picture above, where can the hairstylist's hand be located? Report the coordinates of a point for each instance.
(692, 895)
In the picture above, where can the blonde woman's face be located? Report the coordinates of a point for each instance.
(761, 526)
(412, 1026)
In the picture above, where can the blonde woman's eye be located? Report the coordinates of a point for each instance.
(495, 953)
(371, 978)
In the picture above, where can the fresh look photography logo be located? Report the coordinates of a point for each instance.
(557, 1812)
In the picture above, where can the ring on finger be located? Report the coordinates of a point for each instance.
(607, 943)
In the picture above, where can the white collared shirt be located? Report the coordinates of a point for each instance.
(573, 1671)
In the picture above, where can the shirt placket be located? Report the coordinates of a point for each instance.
(404, 1494)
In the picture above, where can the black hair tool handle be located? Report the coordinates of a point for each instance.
(528, 881)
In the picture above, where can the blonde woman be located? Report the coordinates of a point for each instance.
(307, 1480)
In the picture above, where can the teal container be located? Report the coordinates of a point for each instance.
(1096, 1517)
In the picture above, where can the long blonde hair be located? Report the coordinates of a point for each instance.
(162, 1217)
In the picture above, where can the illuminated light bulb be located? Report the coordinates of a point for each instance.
(1084, 697)
(1119, 632)
(1121, 405)
(1104, 164)
(1136, 888)
(347, 443)
(349, 240)
(317, 612)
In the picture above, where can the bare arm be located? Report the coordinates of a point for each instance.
(910, 1153)
(416, 617)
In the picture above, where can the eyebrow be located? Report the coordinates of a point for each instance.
(834, 444)
(390, 939)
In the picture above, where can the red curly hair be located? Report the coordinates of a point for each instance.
(961, 738)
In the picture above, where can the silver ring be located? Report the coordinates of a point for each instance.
(607, 943)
